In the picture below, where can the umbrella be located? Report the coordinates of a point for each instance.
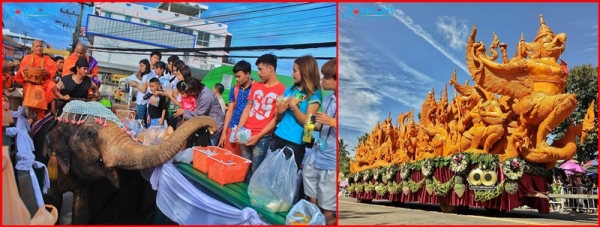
(591, 163)
(591, 166)
(572, 166)
(343, 183)
(591, 169)
(569, 172)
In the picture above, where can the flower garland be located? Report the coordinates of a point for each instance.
(459, 163)
(381, 189)
(367, 174)
(513, 168)
(359, 187)
(441, 189)
(376, 174)
(369, 187)
(459, 187)
(485, 195)
(388, 173)
(394, 188)
(356, 176)
(404, 172)
(426, 169)
(351, 187)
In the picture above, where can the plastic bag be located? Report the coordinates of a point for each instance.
(154, 135)
(273, 184)
(305, 213)
(243, 134)
(231, 135)
(185, 156)
(7, 118)
(45, 217)
(134, 127)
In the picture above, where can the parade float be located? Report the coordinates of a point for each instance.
(487, 147)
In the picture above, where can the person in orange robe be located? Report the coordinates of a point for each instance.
(35, 60)
(80, 52)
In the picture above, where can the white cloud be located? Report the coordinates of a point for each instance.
(592, 47)
(406, 20)
(455, 31)
(362, 91)
(358, 105)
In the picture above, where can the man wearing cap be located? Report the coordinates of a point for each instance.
(80, 52)
(75, 84)
(37, 96)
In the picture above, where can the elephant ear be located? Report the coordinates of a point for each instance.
(57, 143)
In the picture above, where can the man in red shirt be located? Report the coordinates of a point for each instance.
(259, 116)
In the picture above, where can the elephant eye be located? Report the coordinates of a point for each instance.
(90, 133)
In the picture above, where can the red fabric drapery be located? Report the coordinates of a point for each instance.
(528, 184)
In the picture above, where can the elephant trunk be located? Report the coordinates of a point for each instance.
(121, 151)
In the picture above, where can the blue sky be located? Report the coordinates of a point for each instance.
(311, 26)
(389, 64)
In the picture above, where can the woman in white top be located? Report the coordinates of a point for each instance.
(144, 75)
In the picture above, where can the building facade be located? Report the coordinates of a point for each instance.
(17, 45)
(170, 25)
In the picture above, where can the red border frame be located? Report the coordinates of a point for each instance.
(337, 49)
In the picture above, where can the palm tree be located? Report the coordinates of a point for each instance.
(343, 159)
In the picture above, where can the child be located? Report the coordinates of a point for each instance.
(218, 90)
(319, 170)
(157, 106)
(188, 99)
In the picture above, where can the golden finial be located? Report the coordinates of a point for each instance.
(522, 37)
(544, 33)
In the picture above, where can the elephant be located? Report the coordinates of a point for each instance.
(89, 152)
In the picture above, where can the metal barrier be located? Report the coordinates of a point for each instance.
(344, 192)
(576, 198)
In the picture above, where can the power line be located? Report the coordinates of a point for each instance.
(262, 26)
(254, 11)
(215, 55)
(287, 34)
(298, 30)
(222, 8)
(241, 48)
(126, 31)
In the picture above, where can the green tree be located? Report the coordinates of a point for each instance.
(582, 81)
(363, 138)
(343, 157)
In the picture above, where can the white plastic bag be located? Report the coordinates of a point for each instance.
(273, 184)
(185, 156)
(232, 136)
(305, 213)
(154, 135)
(243, 134)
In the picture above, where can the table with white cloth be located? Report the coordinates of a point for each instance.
(234, 195)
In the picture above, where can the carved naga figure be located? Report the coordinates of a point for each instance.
(537, 82)
(509, 110)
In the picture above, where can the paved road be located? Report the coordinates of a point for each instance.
(387, 213)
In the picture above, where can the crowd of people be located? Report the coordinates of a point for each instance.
(274, 114)
(577, 184)
(252, 106)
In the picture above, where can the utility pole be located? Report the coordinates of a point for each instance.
(24, 44)
(78, 25)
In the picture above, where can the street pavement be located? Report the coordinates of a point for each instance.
(388, 213)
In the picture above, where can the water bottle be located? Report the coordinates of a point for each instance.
(309, 128)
